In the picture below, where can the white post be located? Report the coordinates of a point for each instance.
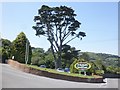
(85, 73)
(27, 52)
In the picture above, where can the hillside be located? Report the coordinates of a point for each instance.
(107, 59)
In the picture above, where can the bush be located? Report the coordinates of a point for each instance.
(4, 56)
(72, 68)
(5, 50)
(35, 60)
(99, 72)
(113, 69)
(117, 70)
(92, 69)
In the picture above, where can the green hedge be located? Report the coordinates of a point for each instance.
(99, 72)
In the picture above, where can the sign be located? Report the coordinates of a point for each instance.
(82, 65)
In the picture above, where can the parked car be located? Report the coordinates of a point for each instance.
(67, 70)
(60, 70)
(42, 66)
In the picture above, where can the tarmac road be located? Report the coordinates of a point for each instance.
(12, 78)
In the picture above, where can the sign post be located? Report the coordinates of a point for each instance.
(82, 66)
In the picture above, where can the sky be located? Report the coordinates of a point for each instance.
(99, 22)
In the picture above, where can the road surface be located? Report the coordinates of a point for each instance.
(12, 78)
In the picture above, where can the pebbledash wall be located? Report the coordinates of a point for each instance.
(26, 69)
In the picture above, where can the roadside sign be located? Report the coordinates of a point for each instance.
(82, 66)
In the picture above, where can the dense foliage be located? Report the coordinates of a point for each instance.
(19, 48)
(105, 62)
(68, 55)
(5, 49)
(40, 57)
(101, 63)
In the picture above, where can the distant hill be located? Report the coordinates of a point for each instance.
(107, 59)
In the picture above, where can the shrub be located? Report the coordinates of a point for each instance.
(72, 68)
(99, 72)
(92, 69)
(113, 69)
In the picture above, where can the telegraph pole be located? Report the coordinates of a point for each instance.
(27, 52)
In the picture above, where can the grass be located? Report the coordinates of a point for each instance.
(63, 73)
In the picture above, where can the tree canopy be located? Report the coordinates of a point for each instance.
(59, 26)
(5, 49)
(19, 48)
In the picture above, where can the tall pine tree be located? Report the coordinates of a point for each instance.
(19, 48)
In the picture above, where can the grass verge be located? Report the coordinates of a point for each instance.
(63, 73)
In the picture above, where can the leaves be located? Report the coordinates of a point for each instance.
(5, 50)
(82, 34)
(36, 18)
(73, 33)
(57, 24)
(19, 48)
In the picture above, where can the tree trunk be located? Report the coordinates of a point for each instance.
(60, 56)
(60, 51)
(55, 59)
(59, 61)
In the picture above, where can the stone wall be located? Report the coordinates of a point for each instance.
(26, 69)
